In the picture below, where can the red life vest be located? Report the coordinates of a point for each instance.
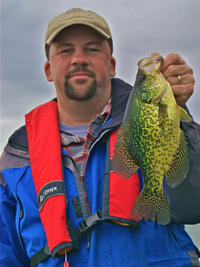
(46, 164)
(122, 193)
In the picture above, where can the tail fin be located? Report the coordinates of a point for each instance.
(153, 208)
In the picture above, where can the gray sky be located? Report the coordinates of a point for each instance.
(139, 28)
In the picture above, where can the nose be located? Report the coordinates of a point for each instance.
(79, 58)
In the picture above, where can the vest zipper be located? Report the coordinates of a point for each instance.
(99, 136)
(84, 210)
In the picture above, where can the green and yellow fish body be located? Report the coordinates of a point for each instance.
(150, 138)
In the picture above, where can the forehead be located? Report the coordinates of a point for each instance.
(78, 32)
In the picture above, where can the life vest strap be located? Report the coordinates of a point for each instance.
(84, 227)
(40, 256)
(89, 222)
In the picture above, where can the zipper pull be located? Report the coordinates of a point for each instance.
(66, 263)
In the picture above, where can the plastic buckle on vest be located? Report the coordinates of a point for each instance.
(90, 221)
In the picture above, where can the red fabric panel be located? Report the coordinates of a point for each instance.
(45, 156)
(44, 144)
(123, 193)
(113, 137)
(53, 218)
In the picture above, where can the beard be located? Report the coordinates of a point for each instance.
(88, 91)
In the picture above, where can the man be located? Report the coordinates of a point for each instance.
(60, 199)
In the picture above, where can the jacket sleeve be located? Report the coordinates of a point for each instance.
(185, 198)
(11, 251)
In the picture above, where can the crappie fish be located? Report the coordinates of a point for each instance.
(150, 138)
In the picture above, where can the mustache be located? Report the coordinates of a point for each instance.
(78, 69)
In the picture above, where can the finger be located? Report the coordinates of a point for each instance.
(184, 79)
(182, 93)
(175, 70)
(155, 55)
(172, 59)
(174, 80)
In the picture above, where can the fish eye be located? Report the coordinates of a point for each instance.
(142, 78)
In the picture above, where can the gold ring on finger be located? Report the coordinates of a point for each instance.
(179, 79)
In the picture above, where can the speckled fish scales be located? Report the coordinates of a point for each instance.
(150, 138)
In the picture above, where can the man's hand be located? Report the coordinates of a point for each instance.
(173, 67)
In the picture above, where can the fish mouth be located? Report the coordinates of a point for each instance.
(148, 64)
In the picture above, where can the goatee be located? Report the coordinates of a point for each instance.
(89, 91)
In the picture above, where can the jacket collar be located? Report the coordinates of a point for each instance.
(120, 94)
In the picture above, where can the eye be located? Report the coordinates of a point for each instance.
(67, 51)
(92, 50)
(142, 78)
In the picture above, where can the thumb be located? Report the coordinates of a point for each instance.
(158, 60)
(155, 54)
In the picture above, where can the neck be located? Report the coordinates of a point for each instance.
(80, 112)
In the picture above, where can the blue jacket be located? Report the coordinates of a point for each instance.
(23, 235)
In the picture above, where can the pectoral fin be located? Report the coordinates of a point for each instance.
(122, 161)
(179, 167)
(183, 114)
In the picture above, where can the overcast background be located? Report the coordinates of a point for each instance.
(139, 27)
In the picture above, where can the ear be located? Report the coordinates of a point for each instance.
(47, 70)
(113, 65)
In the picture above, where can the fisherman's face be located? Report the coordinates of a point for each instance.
(80, 63)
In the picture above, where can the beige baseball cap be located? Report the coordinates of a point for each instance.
(77, 16)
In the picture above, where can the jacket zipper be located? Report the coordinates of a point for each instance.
(19, 220)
